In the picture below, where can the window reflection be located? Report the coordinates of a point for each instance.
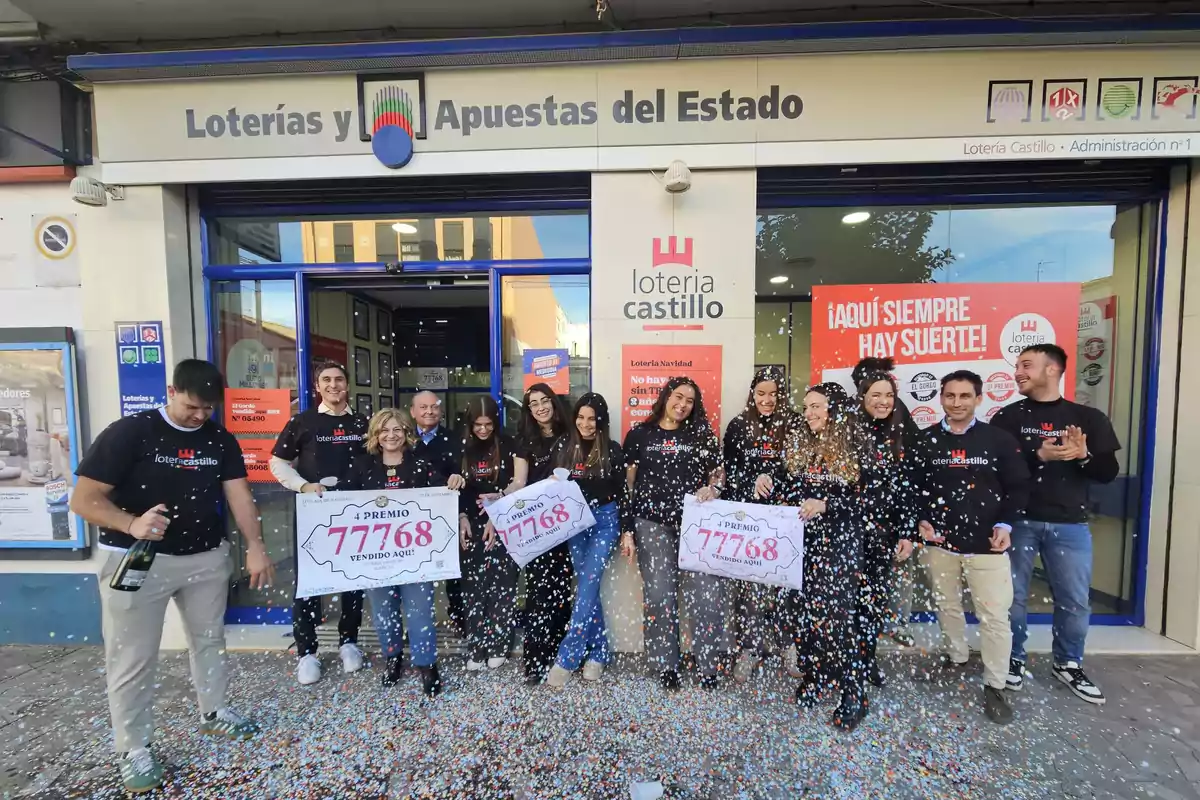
(414, 238)
(1106, 248)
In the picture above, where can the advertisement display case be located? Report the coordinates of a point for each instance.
(39, 444)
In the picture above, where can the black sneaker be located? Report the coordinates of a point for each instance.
(393, 671)
(1016, 675)
(709, 682)
(996, 706)
(875, 677)
(431, 681)
(1072, 674)
(808, 695)
(849, 714)
(669, 679)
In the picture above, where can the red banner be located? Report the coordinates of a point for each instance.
(257, 410)
(257, 455)
(933, 329)
(645, 368)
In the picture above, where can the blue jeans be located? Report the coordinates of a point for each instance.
(1066, 551)
(417, 601)
(591, 550)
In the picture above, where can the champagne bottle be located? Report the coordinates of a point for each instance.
(134, 567)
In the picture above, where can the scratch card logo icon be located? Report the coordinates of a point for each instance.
(958, 455)
(187, 454)
(392, 126)
(1028, 325)
(671, 255)
(1047, 426)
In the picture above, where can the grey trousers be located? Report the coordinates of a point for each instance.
(133, 626)
(658, 560)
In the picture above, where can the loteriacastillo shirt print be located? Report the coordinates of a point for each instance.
(148, 460)
(1059, 492)
(323, 445)
(670, 464)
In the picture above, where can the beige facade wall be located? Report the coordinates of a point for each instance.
(134, 265)
(629, 211)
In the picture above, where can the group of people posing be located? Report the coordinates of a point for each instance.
(973, 502)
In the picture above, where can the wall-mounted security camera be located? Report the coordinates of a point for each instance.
(91, 192)
(677, 178)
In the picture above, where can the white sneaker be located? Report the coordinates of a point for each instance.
(308, 670)
(352, 657)
(592, 670)
(474, 666)
(558, 677)
(496, 663)
(744, 668)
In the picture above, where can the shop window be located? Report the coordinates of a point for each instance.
(387, 243)
(557, 345)
(343, 243)
(452, 242)
(331, 240)
(1103, 249)
(254, 344)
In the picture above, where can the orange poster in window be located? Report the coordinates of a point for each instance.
(932, 329)
(257, 410)
(645, 368)
(257, 455)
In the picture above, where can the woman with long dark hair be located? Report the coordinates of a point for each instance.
(489, 576)
(547, 577)
(389, 463)
(597, 464)
(754, 445)
(671, 454)
(888, 507)
(822, 475)
(903, 571)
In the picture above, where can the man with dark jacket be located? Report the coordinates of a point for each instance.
(1067, 447)
(975, 489)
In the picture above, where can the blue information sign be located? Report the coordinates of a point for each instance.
(141, 367)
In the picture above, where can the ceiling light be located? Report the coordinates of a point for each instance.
(779, 279)
(855, 217)
(404, 227)
(441, 321)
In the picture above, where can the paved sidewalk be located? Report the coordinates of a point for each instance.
(491, 737)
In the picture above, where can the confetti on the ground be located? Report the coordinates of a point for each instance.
(491, 737)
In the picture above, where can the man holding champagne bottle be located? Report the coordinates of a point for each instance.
(154, 484)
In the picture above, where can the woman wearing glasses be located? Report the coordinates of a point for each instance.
(547, 577)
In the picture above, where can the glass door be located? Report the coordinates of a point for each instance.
(541, 333)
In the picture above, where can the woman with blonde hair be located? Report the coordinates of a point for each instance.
(389, 463)
(822, 475)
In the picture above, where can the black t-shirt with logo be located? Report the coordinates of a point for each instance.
(1060, 488)
(670, 464)
(370, 473)
(484, 476)
(537, 454)
(322, 445)
(974, 481)
(603, 483)
(752, 450)
(148, 461)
